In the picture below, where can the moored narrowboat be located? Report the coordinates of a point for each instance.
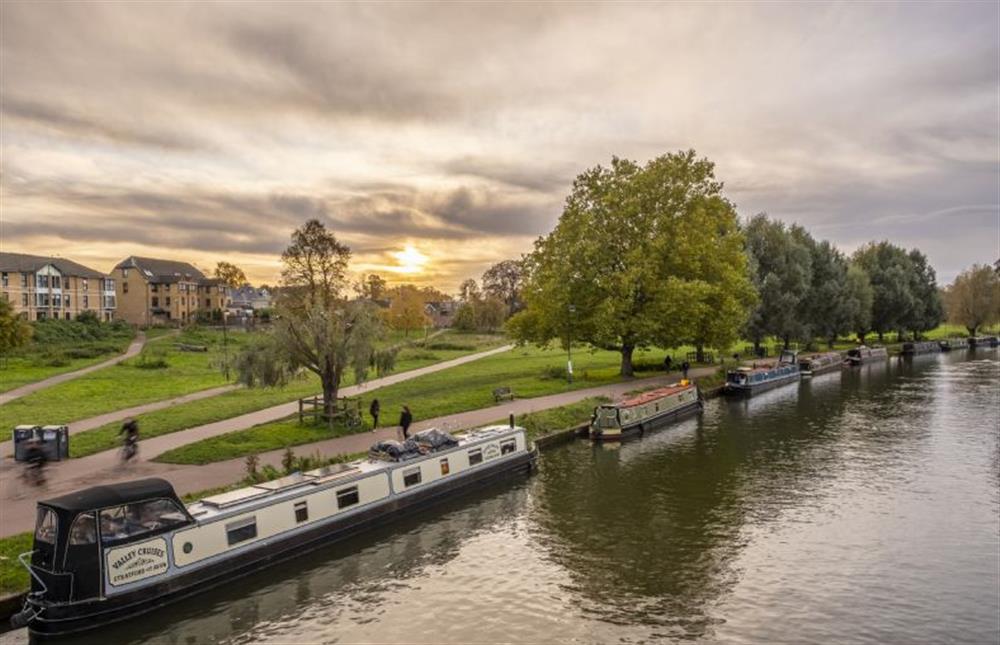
(747, 381)
(949, 344)
(924, 347)
(978, 342)
(818, 363)
(864, 354)
(632, 417)
(109, 553)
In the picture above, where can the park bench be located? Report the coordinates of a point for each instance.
(184, 347)
(501, 393)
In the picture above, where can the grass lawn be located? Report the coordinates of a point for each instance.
(529, 371)
(544, 422)
(13, 576)
(160, 372)
(441, 348)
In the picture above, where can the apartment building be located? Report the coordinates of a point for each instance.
(152, 291)
(40, 287)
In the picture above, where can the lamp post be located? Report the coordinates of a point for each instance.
(569, 345)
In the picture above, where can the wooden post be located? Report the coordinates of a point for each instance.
(300, 411)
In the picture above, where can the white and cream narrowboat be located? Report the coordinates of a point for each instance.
(812, 364)
(631, 417)
(861, 355)
(110, 553)
(917, 348)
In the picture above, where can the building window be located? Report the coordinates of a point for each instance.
(56, 282)
(166, 288)
(124, 273)
(411, 477)
(475, 456)
(124, 287)
(445, 468)
(42, 281)
(347, 497)
(24, 280)
(241, 530)
(84, 280)
(3, 279)
(156, 301)
(66, 299)
(168, 301)
(86, 302)
(57, 300)
(301, 512)
(208, 303)
(68, 315)
(24, 300)
(155, 288)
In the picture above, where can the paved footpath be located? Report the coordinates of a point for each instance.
(17, 509)
(134, 348)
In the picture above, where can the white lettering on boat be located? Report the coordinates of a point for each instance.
(137, 561)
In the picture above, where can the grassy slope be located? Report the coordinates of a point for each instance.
(528, 370)
(128, 384)
(13, 576)
(243, 401)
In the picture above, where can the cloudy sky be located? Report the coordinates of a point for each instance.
(436, 139)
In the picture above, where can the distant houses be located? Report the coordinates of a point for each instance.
(153, 291)
(250, 298)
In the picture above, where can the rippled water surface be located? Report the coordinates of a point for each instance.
(855, 507)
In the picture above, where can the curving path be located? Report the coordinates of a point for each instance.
(17, 509)
(134, 348)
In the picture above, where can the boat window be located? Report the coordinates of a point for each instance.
(46, 526)
(475, 456)
(445, 468)
(139, 518)
(241, 530)
(411, 476)
(508, 446)
(84, 530)
(347, 497)
(301, 512)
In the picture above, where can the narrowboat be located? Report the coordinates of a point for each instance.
(948, 344)
(864, 354)
(819, 363)
(632, 417)
(978, 342)
(915, 348)
(747, 381)
(110, 553)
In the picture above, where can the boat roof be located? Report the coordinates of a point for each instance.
(652, 395)
(812, 357)
(97, 497)
(244, 499)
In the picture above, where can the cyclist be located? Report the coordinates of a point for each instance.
(35, 463)
(130, 430)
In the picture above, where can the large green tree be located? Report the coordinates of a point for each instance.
(858, 300)
(782, 273)
(888, 268)
(503, 281)
(823, 309)
(316, 328)
(928, 311)
(641, 255)
(973, 299)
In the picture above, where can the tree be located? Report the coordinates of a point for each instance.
(973, 299)
(230, 275)
(823, 309)
(503, 281)
(315, 327)
(928, 311)
(638, 256)
(465, 317)
(782, 273)
(468, 291)
(406, 311)
(372, 286)
(888, 268)
(490, 313)
(858, 301)
(14, 331)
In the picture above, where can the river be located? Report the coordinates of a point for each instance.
(860, 506)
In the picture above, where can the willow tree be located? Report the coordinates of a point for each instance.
(973, 299)
(316, 327)
(641, 255)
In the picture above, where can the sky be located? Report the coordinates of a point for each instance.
(438, 139)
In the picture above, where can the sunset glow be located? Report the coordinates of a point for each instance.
(410, 260)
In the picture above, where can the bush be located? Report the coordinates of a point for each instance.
(554, 372)
(421, 356)
(451, 346)
(151, 362)
(57, 361)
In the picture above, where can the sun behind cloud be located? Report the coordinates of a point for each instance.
(410, 260)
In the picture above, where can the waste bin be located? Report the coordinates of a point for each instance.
(54, 441)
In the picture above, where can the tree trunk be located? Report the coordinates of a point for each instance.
(787, 339)
(699, 350)
(756, 347)
(627, 360)
(830, 341)
(880, 337)
(861, 337)
(330, 386)
(971, 330)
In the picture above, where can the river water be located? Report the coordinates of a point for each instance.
(860, 506)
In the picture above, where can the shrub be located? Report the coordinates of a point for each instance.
(421, 356)
(147, 361)
(57, 361)
(553, 372)
(451, 346)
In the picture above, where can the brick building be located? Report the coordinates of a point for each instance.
(152, 291)
(40, 287)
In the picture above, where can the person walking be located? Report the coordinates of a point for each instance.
(374, 410)
(405, 419)
(685, 366)
(667, 362)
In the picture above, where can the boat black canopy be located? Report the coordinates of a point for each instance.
(98, 497)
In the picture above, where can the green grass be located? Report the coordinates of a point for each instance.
(132, 382)
(545, 422)
(13, 576)
(529, 371)
(242, 401)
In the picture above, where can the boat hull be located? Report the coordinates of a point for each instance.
(638, 428)
(70, 618)
(829, 367)
(750, 389)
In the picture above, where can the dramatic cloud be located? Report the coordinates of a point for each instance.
(195, 130)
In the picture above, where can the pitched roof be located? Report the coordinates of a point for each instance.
(25, 263)
(161, 270)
